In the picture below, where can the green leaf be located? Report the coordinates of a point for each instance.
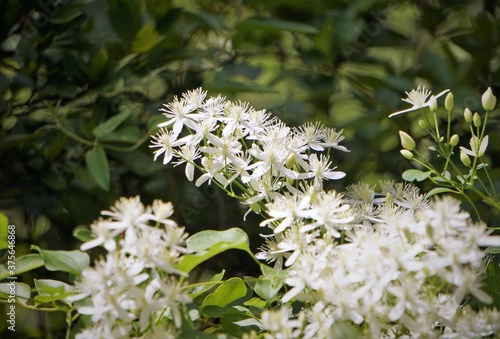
(209, 243)
(126, 134)
(267, 289)
(145, 39)
(52, 290)
(4, 231)
(414, 174)
(492, 250)
(82, 233)
(236, 87)
(125, 17)
(22, 291)
(239, 323)
(272, 273)
(66, 261)
(212, 21)
(23, 264)
(343, 329)
(98, 63)
(230, 291)
(97, 164)
(158, 8)
(256, 302)
(438, 190)
(65, 14)
(111, 124)
(199, 290)
(274, 25)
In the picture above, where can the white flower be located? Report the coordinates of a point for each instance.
(418, 99)
(179, 113)
(279, 324)
(319, 169)
(313, 134)
(195, 97)
(188, 154)
(332, 139)
(103, 236)
(127, 213)
(477, 147)
(165, 140)
(212, 170)
(287, 210)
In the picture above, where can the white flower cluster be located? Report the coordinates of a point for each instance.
(392, 263)
(232, 143)
(136, 281)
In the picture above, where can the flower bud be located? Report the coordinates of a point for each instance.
(433, 104)
(407, 154)
(476, 119)
(465, 159)
(449, 102)
(423, 124)
(468, 115)
(488, 100)
(389, 199)
(290, 161)
(313, 195)
(255, 207)
(407, 141)
(454, 140)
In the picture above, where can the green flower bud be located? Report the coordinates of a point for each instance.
(476, 119)
(449, 102)
(433, 104)
(464, 158)
(407, 154)
(488, 100)
(423, 124)
(389, 199)
(454, 140)
(290, 161)
(255, 207)
(468, 115)
(313, 195)
(407, 141)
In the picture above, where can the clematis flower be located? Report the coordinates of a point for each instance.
(418, 99)
(477, 147)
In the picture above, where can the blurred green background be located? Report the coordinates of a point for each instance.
(76, 76)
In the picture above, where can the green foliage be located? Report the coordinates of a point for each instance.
(66, 261)
(207, 244)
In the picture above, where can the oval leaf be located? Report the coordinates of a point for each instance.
(199, 290)
(67, 261)
(207, 244)
(111, 124)
(23, 291)
(413, 174)
(97, 163)
(438, 190)
(24, 263)
(231, 290)
(52, 290)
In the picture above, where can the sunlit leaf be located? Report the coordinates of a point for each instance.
(207, 244)
(66, 261)
(23, 264)
(414, 174)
